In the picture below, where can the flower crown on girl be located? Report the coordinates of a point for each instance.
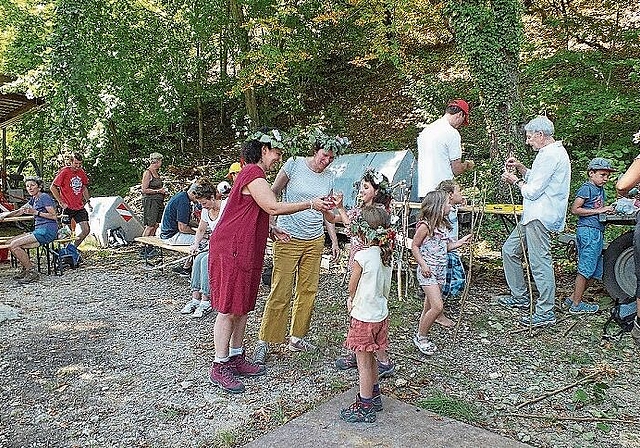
(379, 179)
(382, 235)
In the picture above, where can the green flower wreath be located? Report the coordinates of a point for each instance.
(273, 137)
(361, 227)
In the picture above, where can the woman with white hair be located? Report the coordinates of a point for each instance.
(42, 207)
(153, 193)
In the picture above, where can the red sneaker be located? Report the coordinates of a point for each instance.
(238, 365)
(221, 375)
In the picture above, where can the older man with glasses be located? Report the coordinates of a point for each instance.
(545, 196)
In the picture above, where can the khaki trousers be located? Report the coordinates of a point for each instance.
(296, 261)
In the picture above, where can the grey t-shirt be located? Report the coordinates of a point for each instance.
(304, 184)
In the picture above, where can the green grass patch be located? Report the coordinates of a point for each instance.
(451, 407)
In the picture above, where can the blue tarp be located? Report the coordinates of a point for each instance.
(399, 166)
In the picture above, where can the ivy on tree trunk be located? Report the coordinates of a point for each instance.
(488, 34)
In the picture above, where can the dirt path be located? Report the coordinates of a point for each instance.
(101, 357)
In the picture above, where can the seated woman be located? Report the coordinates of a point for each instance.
(212, 204)
(42, 207)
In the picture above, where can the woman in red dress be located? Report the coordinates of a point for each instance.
(236, 254)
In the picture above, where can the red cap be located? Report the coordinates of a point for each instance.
(462, 104)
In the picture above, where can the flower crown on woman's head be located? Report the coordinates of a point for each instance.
(273, 138)
(327, 142)
(360, 226)
(380, 180)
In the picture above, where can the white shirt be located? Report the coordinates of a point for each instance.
(370, 300)
(438, 145)
(545, 194)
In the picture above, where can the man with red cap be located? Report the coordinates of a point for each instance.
(440, 148)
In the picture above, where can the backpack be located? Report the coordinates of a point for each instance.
(455, 277)
(622, 314)
(69, 256)
(116, 237)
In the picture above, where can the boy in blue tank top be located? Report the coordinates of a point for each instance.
(589, 203)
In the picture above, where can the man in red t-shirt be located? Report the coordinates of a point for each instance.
(70, 190)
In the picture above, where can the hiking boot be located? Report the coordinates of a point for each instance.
(359, 412)
(386, 370)
(238, 365)
(301, 346)
(583, 308)
(347, 362)
(29, 277)
(425, 345)
(261, 352)
(377, 402)
(539, 320)
(513, 302)
(221, 375)
(204, 308)
(635, 331)
(20, 274)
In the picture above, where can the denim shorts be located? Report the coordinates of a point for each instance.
(589, 242)
(44, 235)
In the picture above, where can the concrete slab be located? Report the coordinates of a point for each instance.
(399, 425)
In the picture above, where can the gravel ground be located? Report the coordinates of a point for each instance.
(101, 357)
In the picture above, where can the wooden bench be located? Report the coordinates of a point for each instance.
(154, 241)
(49, 250)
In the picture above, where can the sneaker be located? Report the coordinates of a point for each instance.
(182, 271)
(240, 366)
(190, 307)
(583, 308)
(261, 352)
(20, 274)
(512, 302)
(635, 331)
(221, 375)
(204, 308)
(301, 346)
(377, 402)
(347, 362)
(425, 345)
(359, 412)
(386, 370)
(567, 303)
(539, 320)
(29, 277)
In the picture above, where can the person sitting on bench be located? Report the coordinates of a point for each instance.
(42, 207)
(175, 228)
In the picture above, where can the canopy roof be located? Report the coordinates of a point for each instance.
(13, 105)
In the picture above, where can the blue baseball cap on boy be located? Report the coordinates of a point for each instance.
(600, 164)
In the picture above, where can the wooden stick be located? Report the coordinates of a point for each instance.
(467, 285)
(570, 328)
(409, 357)
(631, 420)
(586, 379)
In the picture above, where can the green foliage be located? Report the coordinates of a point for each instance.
(596, 113)
(447, 406)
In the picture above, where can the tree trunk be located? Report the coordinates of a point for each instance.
(489, 34)
(243, 39)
